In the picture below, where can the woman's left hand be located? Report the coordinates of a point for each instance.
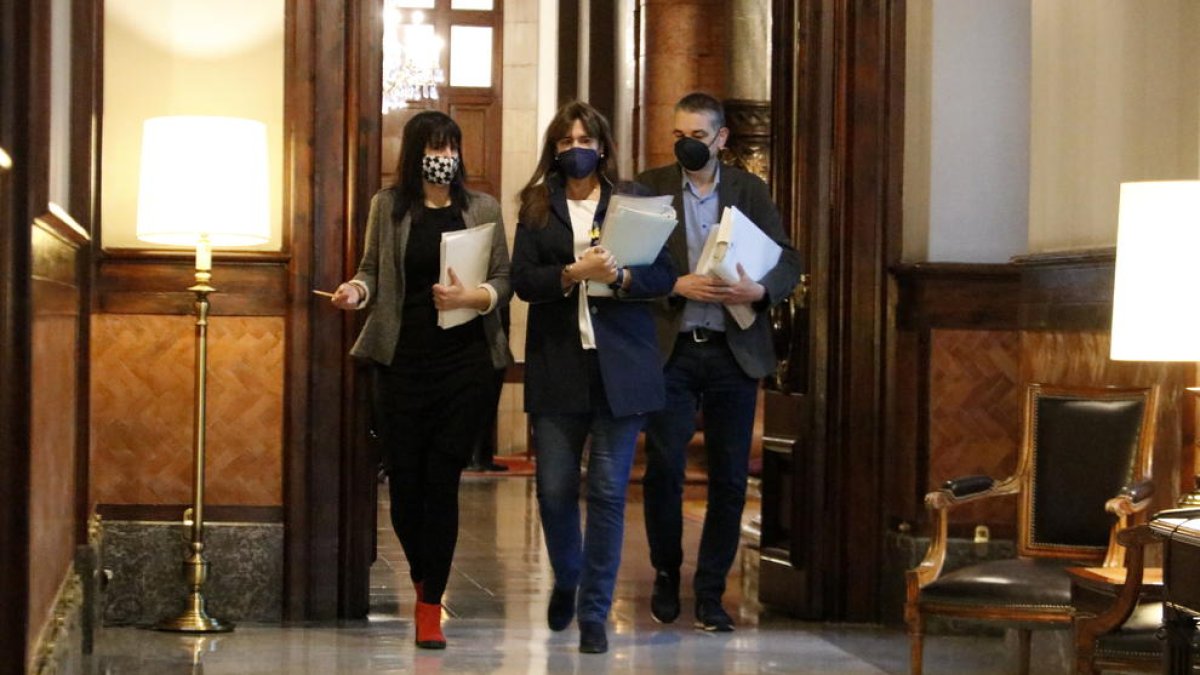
(451, 296)
(455, 296)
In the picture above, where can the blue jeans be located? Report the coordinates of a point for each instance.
(589, 560)
(705, 377)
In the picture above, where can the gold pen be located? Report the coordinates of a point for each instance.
(325, 294)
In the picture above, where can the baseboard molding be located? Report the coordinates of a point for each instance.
(59, 646)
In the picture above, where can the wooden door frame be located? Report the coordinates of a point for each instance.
(837, 159)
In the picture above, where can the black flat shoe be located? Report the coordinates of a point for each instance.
(592, 639)
(712, 617)
(664, 601)
(561, 610)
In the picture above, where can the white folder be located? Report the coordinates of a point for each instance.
(634, 231)
(737, 240)
(469, 253)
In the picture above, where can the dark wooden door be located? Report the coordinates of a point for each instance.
(471, 91)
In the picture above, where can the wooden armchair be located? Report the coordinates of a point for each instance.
(1085, 454)
(1122, 633)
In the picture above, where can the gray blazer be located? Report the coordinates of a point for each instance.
(752, 347)
(385, 243)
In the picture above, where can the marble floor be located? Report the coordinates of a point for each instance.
(495, 620)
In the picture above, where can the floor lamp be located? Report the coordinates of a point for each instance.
(1154, 315)
(203, 183)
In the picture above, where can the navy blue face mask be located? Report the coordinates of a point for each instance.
(578, 162)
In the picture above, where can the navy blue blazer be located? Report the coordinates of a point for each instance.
(556, 380)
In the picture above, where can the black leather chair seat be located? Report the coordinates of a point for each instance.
(1137, 638)
(1034, 583)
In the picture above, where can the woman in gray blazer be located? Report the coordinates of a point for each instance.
(432, 389)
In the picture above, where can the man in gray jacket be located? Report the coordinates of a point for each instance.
(712, 364)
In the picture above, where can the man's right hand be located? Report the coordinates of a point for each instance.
(701, 287)
(347, 296)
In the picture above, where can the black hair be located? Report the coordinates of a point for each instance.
(698, 101)
(427, 129)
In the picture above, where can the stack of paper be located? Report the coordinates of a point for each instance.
(738, 241)
(634, 231)
(468, 252)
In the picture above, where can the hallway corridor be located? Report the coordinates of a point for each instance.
(496, 607)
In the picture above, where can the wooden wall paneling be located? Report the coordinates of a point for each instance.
(86, 82)
(360, 460)
(14, 336)
(55, 355)
(319, 46)
(132, 282)
(299, 100)
(1067, 291)
(872, 136)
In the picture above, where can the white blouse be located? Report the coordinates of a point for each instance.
(583, 214)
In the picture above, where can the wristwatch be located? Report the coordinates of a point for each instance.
(616, 284)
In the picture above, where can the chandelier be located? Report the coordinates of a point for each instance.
(412, 55)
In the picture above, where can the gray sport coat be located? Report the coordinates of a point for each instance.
(385, 244)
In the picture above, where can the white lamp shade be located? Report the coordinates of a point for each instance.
(1154, 300)
(204, 177)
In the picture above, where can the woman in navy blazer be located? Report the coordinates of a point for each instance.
(592, 364)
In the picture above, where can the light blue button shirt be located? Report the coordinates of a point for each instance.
(700, 216)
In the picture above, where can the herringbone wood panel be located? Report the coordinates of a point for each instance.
(142, 406)
(975, 414)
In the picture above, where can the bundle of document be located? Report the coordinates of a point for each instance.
(634, 231)
(737, 240)
(469, 252)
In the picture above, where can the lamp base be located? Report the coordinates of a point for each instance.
(194, 619)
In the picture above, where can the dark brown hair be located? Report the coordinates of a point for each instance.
(535, 196)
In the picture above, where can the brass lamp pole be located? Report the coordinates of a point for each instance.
(225, 159)
(195, 618)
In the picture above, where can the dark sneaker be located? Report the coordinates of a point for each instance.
(712, 617)
(664, 602)
(592, 639)
(562, 608)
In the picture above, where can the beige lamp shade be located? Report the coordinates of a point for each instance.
(1155, 314)
(204, 177)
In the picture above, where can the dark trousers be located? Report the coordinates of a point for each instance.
(429, 423)
(704, 377)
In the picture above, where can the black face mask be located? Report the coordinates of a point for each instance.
(578, 162)
(692, 154)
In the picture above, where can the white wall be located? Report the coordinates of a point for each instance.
(1116, 97)
(967, 130)
(1024, 116)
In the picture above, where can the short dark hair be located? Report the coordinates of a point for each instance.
(698, 101)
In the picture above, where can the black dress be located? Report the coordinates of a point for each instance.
(436, 388)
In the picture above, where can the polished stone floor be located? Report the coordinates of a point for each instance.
(495, 620)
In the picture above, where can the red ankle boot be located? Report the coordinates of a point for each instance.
(429, 626)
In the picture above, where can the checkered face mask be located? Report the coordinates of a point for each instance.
(438, 169)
